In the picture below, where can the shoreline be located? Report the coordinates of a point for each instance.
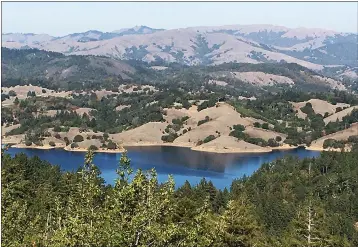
(191, 147)
(84, 150)
(321, 149)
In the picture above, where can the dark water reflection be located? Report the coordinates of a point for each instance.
(182, 163)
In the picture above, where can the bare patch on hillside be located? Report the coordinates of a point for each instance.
(262, 79)
(229, 144)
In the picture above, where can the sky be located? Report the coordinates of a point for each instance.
(62, 18)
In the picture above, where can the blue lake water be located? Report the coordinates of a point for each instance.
(182, 163)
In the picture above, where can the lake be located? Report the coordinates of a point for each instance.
(182, 163)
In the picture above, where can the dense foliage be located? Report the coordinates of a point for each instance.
(44, 206)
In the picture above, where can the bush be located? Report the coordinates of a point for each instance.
(257, 125)
(52, 144)
(338, 109)
(12, 93)
(207, 119)
(184, 131)
(308, 109)
(239, 127)
(78, 138)
(206, 104)
(74, 145)
(112, 145)
(272, 143)
(239, 135)
(105, 136)
(353, 139)
(57, 136)
(93, 148)
(257, 141)
(66, 140)
(43, 91)
(265, 126)
(278, 138)
(170, 137)
(333, 143)
(57, 128)
(209, 138)
(28, 143)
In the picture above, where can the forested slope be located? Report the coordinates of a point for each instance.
(43, 206)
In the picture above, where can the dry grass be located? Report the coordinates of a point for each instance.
(319, 107)
(262, 79)
(147, 133)
(262, 133)
(339, 115)
(229, 144)
(5, 129)
(339, 136)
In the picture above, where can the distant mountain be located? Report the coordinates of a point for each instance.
(137, 30)
(311, 48)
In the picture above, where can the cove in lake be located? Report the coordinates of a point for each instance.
(182, 163)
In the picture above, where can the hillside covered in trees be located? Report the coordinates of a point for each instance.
(57, 71)
(312, 202)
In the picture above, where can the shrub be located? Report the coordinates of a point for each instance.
(43, 91)
(66, 140)
(353, 139)
(93, 148)
(52, 144)
(239, 127)
(176, 127)
(38, 143)
(28, 143)
(12, 93)
(239, 135)
(278, 138)
(206, 104)
(338, 109)
(308, 109)
(199, 143)
(94, 137)
(57, 128)
(265, 126)
(74, 145)
(257, 141)
(78, 138)
(57, 136)
(209, 138)
(170, 137)
(112, 145)
(184, 131)
(257, 125)
(333, 143)
(272, 143)
(105, 136)
(207, 119)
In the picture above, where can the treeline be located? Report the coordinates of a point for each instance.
(280, 205)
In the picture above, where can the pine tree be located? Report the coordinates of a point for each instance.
(238, 226)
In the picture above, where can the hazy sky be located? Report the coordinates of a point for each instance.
(61, 18)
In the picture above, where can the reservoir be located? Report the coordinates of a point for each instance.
(182, 163)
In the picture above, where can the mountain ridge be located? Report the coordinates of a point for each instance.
(313, 48)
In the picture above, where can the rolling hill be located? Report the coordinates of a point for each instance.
(311, 48)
